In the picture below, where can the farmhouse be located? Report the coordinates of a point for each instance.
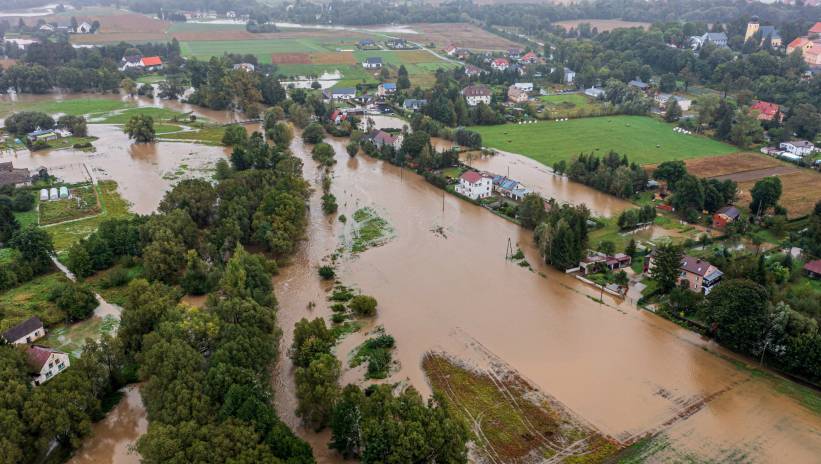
(11, 176)
(343, 93)
(44, 135)
(373, 62)
(509, 188)
(725, 215)
(338, 116)
(637, 83)
(386, 88)
(766, 110)
(474, 185)
(598, 261)
(25, 332)
(798, 147)
(475, 94)
(696, 274)
(381, 138)
(131, 61)
(529, 58)
(450, 50)
(813, 268)
(366, 43)
(500, 64)
(471, 70)
(83, 28)
(662, 99)
(46, 362)
(151, 63)
(516, 95)
(412, 104)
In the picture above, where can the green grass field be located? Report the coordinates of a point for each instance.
(31, 299)
(75, 106)
(643, 139)
(122, 117)
(571, 99)
(205, 49)
(204, 27)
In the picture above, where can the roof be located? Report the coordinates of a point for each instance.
(695, 265)
(638, 83)
(15, 176)
(6, 166)
(389, 85)
(373, 60)
(132, 59)
(515, 92)
(769, 31)
(471, 177)
(529, 56)
(508, 184)
(476, 91)
(414, 103)
(815, 29)
(344, 91)
(22, 329)
(813, 266)
(380, 137)
(766, 108)
(799, 42)
(729, 211)
(470, 69)
(501, 61)
(801, 143)
(152, 61)
(715, 36)
(37, 355)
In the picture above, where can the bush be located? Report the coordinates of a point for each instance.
(23, 201)
(323, 154)
(326, 272)
(117, 277)
(363, 305)
(78, 301)
(234, 135)
(338, 318)
(338, 308)
(329, 205)
(314, 133)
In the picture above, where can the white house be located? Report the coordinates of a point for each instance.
(83, 28)
(500, 64)
(594, 92)
(798, 147)
(386, 88)
(475, 94)
(373, 62)
(524, 86)
(343, 93)
(46, 362)
(131, 61)
(569, 76)
(25, 332)
(474, 185)
(662, 99)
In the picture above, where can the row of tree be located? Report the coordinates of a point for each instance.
(612, 173)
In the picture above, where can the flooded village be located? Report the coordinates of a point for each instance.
(587, 361)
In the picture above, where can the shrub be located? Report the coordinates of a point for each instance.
(338, 308)
(76, 300)
(314, 133)
(363, 305)
(116, 278)
(326, 272)
(338, 318)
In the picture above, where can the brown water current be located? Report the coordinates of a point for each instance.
(443, 284)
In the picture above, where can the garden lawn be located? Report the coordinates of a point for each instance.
(643, 139)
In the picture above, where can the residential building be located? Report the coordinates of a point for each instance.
(813, 268)
(342, 93)
(131, 61)
(45, 362)
(598, 261)
(766, 110)
(662, 99)
(373, 62)
(399, 44)
(509, 188)
(514, 53)
(11, 176)
(247, 67)
(569, 76)
(500, 64)
(25, 332)
(151, 63)
(719, 39)
(475, 94)
(529, 58)
(798, 147)
(381, 138)
(83, 28)
(695, 274)
(367, 43)
(474, 185)
(471, 70)
(450, 50)
(338, 116)
(524, 86)
(412, 104)
(768, 33)
(594, 92)
(637, 83)
(725, 215)
(517, 95)
(386, 88)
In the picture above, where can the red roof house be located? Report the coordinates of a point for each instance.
(815, 29)
(766, 110)
(151, 61)
(529, 57)
(500, 63)
(813, 268)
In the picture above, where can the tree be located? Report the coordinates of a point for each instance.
(352, 148)
(8, 223)
(363, 305)
(666, 264)
(531, 211)
(746, 129)
(672, 112)
(317, 389)
(195, 280)
(78, 301)
(737, 313)
(196, 197)
(140, 128)
(324, 154)
(23, 122)
(75, 124)
(402, 81)
(281, 134)
(314, 133)
(164, 257)
(765, 194)
(345, 423)
(667, 83)
(671, 171)
(689, 194)
(311, 339)
(129, 86)
(234, 134)
(804, 120)
(62, 409)
(79, 260)
(35, 247)
(630, 249)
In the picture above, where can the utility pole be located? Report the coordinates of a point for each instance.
(443, 201)
(509, 250)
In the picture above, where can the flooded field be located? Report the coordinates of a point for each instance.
(443, 284)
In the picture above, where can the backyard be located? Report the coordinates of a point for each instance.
(643, 139)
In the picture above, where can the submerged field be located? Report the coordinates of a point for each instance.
(643, 139)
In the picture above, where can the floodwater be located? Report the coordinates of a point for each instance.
(443, 284)
(113, 438)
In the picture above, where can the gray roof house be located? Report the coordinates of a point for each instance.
(11, 176)
(372, 62)
(413, 104)
(638, 84)
(25, 332)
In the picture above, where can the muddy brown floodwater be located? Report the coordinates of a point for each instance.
(443, 284)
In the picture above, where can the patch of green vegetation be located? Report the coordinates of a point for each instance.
(341, 294)
(31, 299)
(122, 117)
(376, 352)
(370, 230)
(166, 128)
(453, 172)
(74, 106)
(27, 217)
(644, 140)
(151, 78)
(112, 206)
(343, 329)
(262, 48)
(208, 135)
(82, 203)
(72, 338)
(112, 283)
(68, 142)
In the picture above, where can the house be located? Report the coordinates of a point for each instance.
(695, 274)
(517, 95)
(474, 185)
(450, 50)
(83, 28)
(813, 268)
(766, 110)
(471, 70)
(810, 49)
(412, 104)
(399, 44)
(381, 138)
(662, 99)
(815, 29)
(509, 188)
(798, 147)
(373, 62)
(42, 135)
(598, 261)
(514, 53)
(247, 67)
(637, 83)
(719, 39)
(462, 53)
(25, 332)
(47, 28)
(45, 362)
(475, 94)
(500, 64)
(366, 43)
(131, 61)
(342, 93)
(337, 116)
(11, 176)
(524, 86)
(151, 63)
(529, 58)
(569, 76)
(386, 88)
(594, 92)
(772, 151)
(725, 215)
(768, 33)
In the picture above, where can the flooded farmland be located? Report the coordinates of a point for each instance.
(443, 284)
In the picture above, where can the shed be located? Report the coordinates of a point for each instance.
(43, 194)
(63, 192)
(53, 194)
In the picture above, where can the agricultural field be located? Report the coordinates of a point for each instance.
(800, 191)
(82, 203)
(643, 139)
(74, 106)
(601, 24)
(460, 34)
(568, 105)
(263, 49)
